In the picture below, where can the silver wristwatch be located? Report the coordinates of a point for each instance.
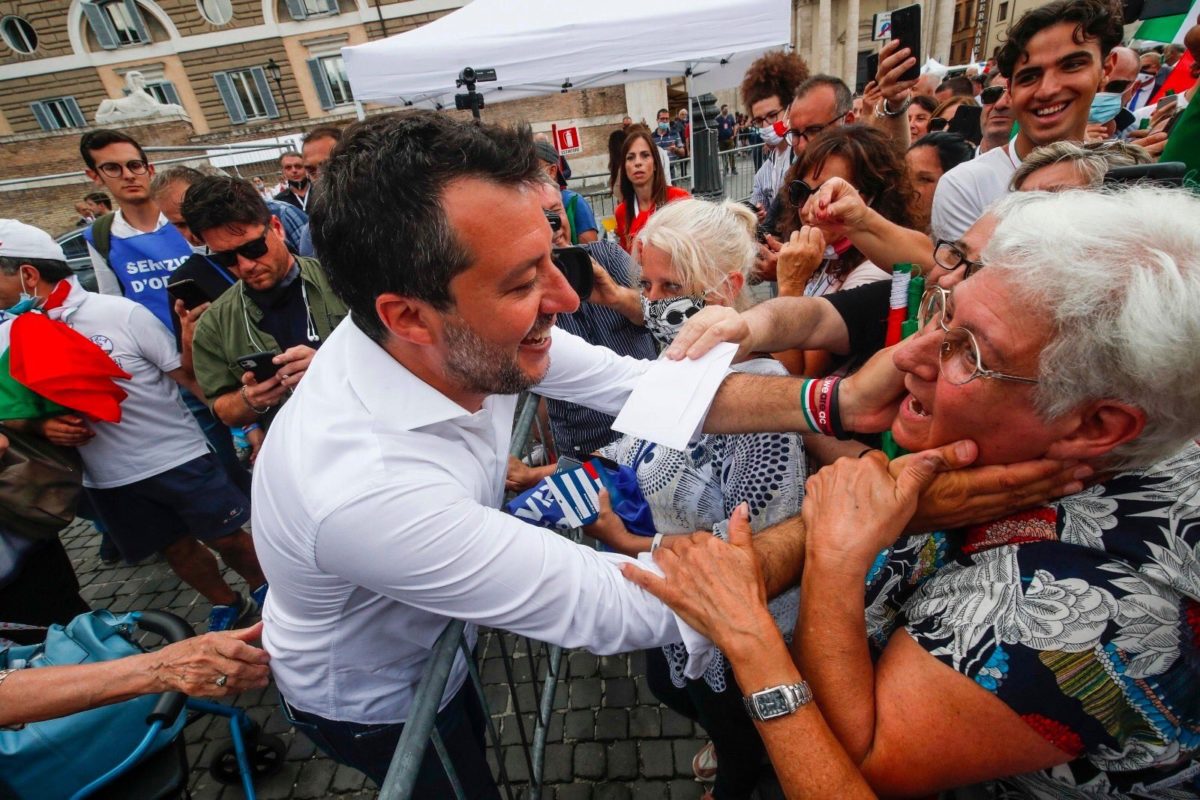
(777, 701)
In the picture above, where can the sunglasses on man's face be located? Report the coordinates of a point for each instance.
(251, 251)
(1117, 87)
(991, 95)
(554, 219)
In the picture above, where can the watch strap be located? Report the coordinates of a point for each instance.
(786, 698)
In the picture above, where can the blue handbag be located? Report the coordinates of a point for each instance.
(57, 757)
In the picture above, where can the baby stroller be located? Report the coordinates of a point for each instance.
(157, 768)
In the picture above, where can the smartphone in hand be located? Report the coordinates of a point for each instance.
(189, 292)
(906, 26)
(261, 364)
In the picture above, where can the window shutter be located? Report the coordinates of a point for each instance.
(331, 6)
(75, 112)
(135, 15)
(297, 9)
(101, 26)
(233, 106)
(264, 91)
(169, 90)
(321, 81)
(42, 116)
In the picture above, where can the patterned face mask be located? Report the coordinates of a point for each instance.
(666, 317)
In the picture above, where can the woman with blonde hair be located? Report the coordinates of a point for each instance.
(693, 253)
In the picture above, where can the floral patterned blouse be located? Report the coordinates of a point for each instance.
(1083, 617)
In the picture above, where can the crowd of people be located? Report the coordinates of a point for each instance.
(940, 528)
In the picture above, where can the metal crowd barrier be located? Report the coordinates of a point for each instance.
(545, 665)
(745, 159)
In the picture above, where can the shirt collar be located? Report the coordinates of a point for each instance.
(394, 397)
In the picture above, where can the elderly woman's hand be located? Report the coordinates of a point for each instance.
(961, 497)
(799, 259)
(710, 326)
(716, 587)
(521, 476)
(854, 508)
(194, 665)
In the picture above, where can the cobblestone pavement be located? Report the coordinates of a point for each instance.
(608, 737)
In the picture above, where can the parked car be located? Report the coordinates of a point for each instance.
(76, 249)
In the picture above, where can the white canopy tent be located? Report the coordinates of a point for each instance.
(542, 47)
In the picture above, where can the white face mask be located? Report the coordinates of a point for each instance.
(774, 134)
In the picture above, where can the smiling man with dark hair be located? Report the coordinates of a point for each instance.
(1056, 58)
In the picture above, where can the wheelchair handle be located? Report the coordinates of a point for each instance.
(173, 629)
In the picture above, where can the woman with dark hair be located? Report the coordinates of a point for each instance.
(819, 259)
(615, 140)
(928, 159)
(644, 186)
(920, 111)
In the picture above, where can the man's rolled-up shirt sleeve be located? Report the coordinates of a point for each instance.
(589, 375)
(434, 548)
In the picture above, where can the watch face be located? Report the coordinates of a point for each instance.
(771, 704)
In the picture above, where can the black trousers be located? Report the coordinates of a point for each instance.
(369, 748)
(741, 755)
(44, 592)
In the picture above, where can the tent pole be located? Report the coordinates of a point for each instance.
(691, 128)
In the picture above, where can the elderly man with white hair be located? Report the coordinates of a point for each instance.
(1054, 651)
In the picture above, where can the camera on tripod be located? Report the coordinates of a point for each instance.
(471, 99)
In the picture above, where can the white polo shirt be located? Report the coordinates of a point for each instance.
(375, 520)
(156, 432)
(965, 192)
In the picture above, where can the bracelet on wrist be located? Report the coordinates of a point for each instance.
(882, 110)
(251, 406)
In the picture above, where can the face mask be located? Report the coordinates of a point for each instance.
(1105, 107)
(773, 134)
(300, 184)
(838, 248)
(665, 318)
(662, 126)
(28, 302)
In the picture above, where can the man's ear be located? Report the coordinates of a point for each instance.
(410, 320)
(93, 176)
(849, 118)
(1106, 68)
(1101, 427)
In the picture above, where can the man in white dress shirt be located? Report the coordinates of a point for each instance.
(375, 505)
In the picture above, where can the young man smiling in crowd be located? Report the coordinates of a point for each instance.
(1057, 57)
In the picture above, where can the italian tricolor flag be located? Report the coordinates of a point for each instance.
(47, 368)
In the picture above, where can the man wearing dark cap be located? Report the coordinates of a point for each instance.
(579, 213)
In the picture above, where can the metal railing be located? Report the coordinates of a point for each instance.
(544, 667)
(737, 166)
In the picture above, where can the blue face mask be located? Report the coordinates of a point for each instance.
(28, 302)
(1105, 107)
(662, 126)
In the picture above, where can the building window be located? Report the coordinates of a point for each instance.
(19, 35)
(116, 23)
(246, 95)
(57, 113)
(329, 77)
(216, 12)
(163, 92)
(1002, 12)
(303, 9)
